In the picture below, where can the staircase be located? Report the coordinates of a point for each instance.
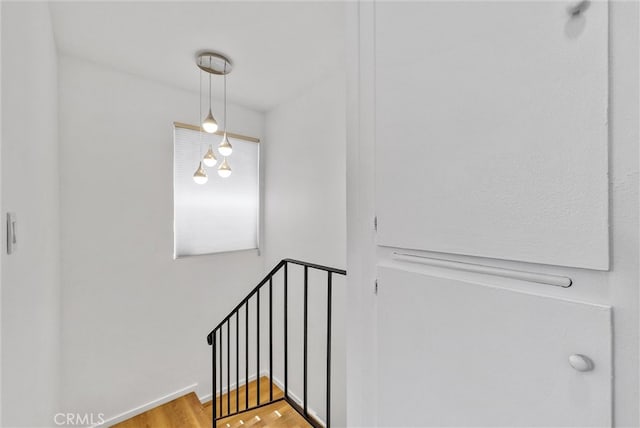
(239, 399)
(270, 414)
(187, 412)
(239, 335)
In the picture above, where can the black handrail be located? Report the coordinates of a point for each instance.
(213, 337)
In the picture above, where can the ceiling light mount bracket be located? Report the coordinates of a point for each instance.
(214, 63)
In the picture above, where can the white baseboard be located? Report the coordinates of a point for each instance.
(207, 397)
(148, 406)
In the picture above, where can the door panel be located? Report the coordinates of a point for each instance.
(491, 130)
(454, 353)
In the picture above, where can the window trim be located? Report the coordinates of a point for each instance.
(220, 133)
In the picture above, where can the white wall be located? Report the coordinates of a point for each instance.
(305, 168)
(30, 188)
(305, 219)
(617, 287)
(134, 320)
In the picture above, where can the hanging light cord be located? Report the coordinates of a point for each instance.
(225, 98)
(209, 83)
(200, 113)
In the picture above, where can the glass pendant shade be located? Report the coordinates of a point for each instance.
(209, 124)
(210, 158)
(225, 147)
(224, 170)
(200, 176)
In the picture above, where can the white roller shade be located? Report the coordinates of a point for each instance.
(222, 214)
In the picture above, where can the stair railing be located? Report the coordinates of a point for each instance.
(216, 340)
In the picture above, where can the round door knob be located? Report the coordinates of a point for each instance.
(581, 362)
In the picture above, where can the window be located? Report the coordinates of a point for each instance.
(222, 214)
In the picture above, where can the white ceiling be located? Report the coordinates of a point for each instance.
(278, 48)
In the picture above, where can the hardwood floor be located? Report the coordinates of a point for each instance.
(253, 395)
(183, 412)
(279, 414)
(187, 412)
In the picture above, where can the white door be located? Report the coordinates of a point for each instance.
(457, 353)
(490, 136)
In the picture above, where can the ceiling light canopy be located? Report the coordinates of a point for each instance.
(214, 63)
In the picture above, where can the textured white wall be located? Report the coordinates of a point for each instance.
(305, 218)
(134, 320)
(30, 276)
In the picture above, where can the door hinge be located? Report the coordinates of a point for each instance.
(375, 223)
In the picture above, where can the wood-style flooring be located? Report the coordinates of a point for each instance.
(188, 412)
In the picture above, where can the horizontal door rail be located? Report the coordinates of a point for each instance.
(226, 327)
(540, 278)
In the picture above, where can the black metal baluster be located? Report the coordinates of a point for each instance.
(286, 334)
(238, 361)
(213, 383)
(246, 357)
(306, 289)
(258, 347)
(228, 367)
(217, 366)
(329, 304)
(220, 381)
(270, 339)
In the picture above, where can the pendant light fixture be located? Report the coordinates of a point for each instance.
(214, 63)
(200, 176)
(209, 124)
(225, 148)
(224, 170)
(210, 158)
